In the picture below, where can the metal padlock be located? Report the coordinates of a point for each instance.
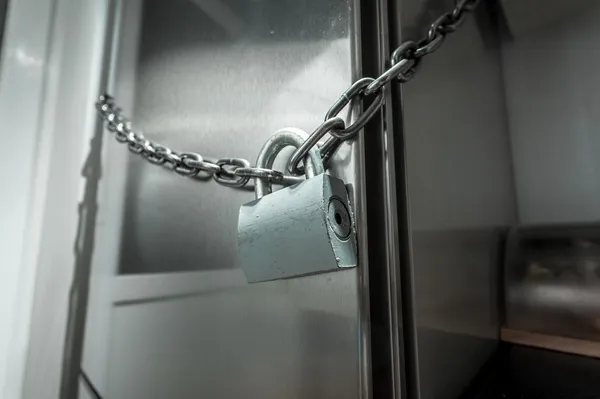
(303, 229)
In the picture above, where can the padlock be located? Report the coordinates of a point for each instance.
(303, 229)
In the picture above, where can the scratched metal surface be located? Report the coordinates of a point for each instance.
(218, 78)
(222, 91)
(460, 190)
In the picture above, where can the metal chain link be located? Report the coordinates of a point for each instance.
(405, 61)
(237, 172)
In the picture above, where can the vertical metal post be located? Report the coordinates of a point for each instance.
(382, 207)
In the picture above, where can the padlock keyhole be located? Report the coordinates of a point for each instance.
(338, 218)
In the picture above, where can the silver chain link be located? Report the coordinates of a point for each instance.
(237, 172)
(405, 61)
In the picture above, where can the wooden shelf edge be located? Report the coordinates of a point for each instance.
(551, 342)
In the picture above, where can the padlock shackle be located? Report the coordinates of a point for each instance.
(279, 140)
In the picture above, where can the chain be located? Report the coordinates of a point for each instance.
(405, 61)
(237, 172)
(232, 172)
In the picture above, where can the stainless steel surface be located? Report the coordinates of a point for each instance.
(552, 280)
(178, 64)
(289, 233)
(458, 190)
(554, 122)
(300, 338)
(527, 16)
(289, 339)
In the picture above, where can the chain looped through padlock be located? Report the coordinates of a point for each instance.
(303, 229)
(278, 141)
(236, 172)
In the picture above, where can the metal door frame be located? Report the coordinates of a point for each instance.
(381, 152)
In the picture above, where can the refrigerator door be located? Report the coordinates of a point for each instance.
(176, 317)
(457, 192)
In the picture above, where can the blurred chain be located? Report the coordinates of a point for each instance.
(237, 172)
